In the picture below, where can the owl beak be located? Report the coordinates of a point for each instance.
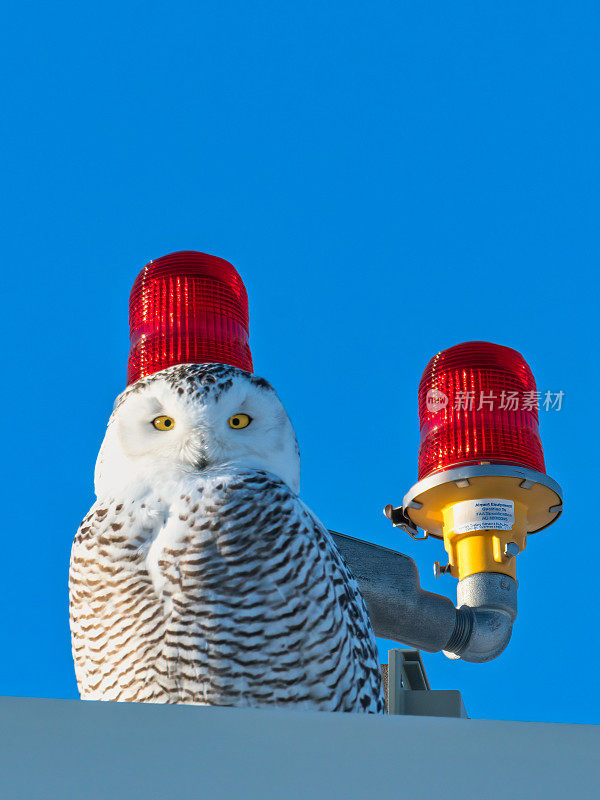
(197, 452)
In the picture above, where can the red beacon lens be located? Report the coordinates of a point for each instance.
(187, 308)
(478, 404)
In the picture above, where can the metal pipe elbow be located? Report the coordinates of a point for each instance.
(487, 608)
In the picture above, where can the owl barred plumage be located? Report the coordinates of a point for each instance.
(199, 576)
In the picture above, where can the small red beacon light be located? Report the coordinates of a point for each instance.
(478, 404)
(482, 484)
(187, 308)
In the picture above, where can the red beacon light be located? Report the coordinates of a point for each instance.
(187, 308)
(478, 403)
(482, 479)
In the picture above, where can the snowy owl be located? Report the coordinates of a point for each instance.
(199, 576)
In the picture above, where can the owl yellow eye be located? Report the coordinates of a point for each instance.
(239, 421)
(163, 423)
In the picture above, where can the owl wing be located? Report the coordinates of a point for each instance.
(260, 607)
(116, 616)
(358, 622)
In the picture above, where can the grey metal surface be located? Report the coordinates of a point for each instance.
(408, 668)
(408, 690)
(404, 612)
(490, 590)
(69, 750)
(491, 599)
(429, 703)
(490, 635)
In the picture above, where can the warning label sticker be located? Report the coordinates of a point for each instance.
(481, 515)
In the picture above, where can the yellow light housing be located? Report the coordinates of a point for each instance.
(483, 513)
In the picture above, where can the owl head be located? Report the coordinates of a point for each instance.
(191, 419)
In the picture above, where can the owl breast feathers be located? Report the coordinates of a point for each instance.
(199, 576)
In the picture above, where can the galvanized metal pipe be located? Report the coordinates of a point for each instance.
(478, 630)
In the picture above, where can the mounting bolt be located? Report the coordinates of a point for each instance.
(512, 550)
(438, 569)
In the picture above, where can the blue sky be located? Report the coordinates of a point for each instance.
(390, 179)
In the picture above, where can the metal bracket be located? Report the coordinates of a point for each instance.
(399, 520)
(408, 691)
